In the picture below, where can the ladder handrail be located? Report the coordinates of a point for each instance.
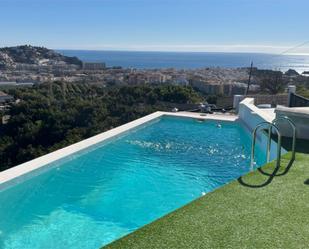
(270, 126)
(292, 124)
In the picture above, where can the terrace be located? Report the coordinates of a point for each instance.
(249, 212)
(261, 209)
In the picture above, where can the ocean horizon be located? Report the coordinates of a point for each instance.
(191, 60)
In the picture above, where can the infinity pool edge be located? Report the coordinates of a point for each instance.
(17, 173)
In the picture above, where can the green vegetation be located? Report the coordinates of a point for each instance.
(52, 116)
(303, 91)
(272, 82)
(235, 216)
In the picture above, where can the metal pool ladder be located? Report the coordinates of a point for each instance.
(270, 127)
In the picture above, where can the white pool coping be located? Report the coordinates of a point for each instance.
(215, 116)
(35, 164)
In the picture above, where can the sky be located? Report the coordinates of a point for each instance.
(268, 26)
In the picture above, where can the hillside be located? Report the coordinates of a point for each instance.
(52, 116)
(12, 56)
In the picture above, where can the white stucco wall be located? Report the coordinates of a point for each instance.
(251, 116)
(299, 116)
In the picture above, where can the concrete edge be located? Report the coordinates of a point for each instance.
(23, 169)
(249, 103)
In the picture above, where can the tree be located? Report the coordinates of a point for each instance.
(272, 83)
(40, 124)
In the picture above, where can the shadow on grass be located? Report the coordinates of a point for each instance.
(270, 176)
(302, 146)
(268, 180)
(288, 167)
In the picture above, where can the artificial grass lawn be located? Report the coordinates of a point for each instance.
(235, 216)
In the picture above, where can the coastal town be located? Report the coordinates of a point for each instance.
(29, 65)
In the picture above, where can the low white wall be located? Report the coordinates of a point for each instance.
(250, 116)
(299, 116)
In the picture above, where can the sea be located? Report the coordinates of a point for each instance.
(191, 60)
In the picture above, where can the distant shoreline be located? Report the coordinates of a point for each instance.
(191, 60)
(179, 52)
(167, 52)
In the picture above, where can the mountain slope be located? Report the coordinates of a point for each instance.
(11, 56)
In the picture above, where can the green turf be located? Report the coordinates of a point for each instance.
(235, 216)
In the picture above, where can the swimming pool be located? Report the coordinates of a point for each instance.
(107, 191)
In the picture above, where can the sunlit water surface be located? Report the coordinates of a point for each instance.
(112, 190)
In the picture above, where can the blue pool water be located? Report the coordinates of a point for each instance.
(108, 191)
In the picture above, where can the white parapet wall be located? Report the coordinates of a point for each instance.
(299, 116)
(251, 116)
